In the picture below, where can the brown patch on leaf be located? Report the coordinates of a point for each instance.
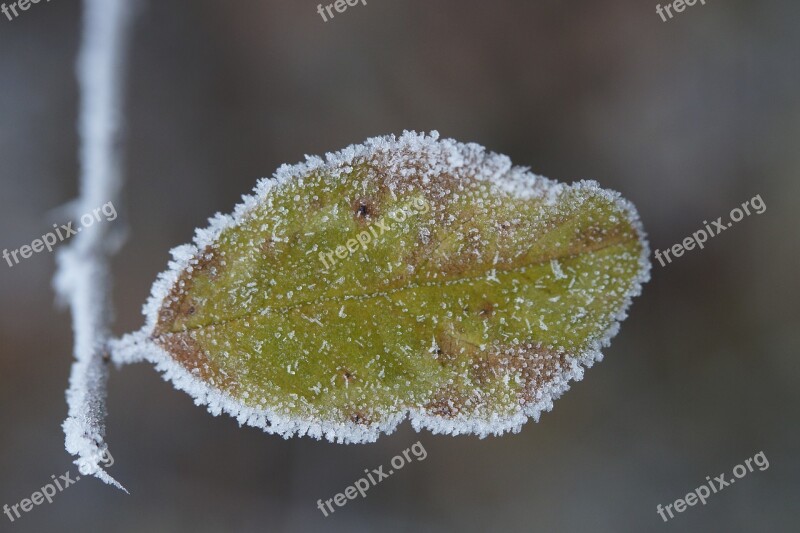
(315, 203)
(487, 310)
(364, 210)
(347, 376)
(593, 235)
(536, 366)
(595, 238)
(268, 247)
(452, 347)
(187, 352)
(360, 418)
(455, 266)
(447, 402)
(178, 304)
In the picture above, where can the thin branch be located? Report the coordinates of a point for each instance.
(83, 278)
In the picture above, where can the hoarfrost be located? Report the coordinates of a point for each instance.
(82, 278)
(425, 158)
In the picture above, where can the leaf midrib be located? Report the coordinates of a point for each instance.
(413, 285)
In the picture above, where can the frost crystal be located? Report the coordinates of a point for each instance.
(82, 278)
(411, 277)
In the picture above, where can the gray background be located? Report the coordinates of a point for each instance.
(687, 119)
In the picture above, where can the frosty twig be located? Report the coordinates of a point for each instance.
(83, 277)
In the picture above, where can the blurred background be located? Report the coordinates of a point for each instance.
(688, 119)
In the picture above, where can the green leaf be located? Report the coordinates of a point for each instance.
(405, 277)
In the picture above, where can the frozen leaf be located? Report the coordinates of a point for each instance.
(405, 277)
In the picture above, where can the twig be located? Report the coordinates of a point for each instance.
(83, 277)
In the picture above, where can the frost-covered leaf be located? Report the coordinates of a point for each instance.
(405, 277)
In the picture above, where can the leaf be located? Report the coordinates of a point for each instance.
(405, 277)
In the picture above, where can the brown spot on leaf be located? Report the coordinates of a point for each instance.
(268, 247)
(358, 417)
(364, 210)
(593, 234)
(316, 202)
(452, 347)
(536, 366)
(486, 310)
(447, 402)
(178, 305)
(347, 376)
(186, 351)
